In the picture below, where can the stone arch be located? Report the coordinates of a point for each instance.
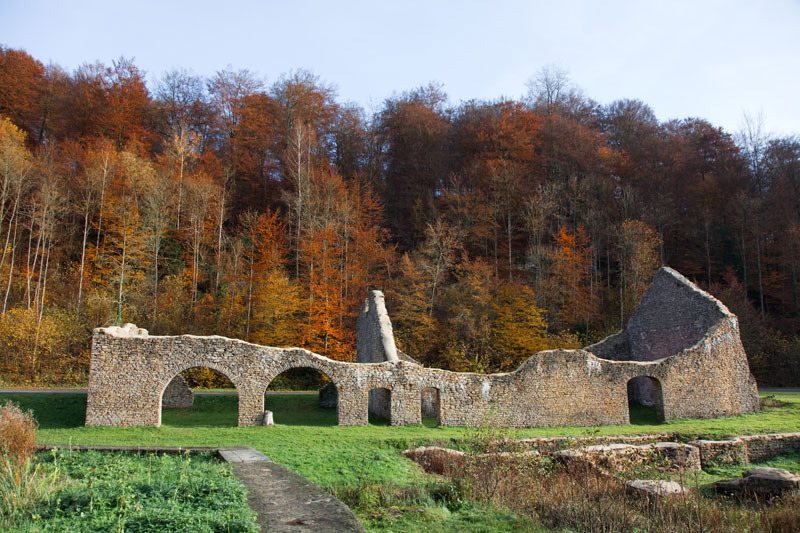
(335, 371)
(331, 388)
(646, 391)
(163, 383)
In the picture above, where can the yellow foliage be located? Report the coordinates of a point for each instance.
(61, 344)
(412, 322)
(518, 328)
(276, 305)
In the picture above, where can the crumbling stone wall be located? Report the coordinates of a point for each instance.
(706, 376)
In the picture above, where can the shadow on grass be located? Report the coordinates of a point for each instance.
(52, 411)
(299, 410)
(430, 422)
(642, 415)
(219, 410)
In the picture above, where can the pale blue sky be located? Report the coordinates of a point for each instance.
(712, 59)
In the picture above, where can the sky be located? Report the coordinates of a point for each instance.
(711, 59)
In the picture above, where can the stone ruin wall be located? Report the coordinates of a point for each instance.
(131, 369)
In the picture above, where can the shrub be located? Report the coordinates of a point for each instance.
(17, 432)
(22, 483)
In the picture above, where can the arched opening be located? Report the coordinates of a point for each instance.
(200, 396)
(429, 405)
(302, 396)
(645, 400)
(380, 406)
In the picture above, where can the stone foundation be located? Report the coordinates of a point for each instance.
(748, 449)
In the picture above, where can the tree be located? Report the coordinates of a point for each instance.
(275, 300)
(518, 328)
(125, 244)
(15, 166)
(413, 129)
(638, 244)
(90, 188)
(437, 256)
(129, 105)
(21, 88)
(572, 266)
(549, 89)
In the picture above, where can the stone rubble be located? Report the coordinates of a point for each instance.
(761, 483)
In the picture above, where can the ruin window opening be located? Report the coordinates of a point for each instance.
(645, 400)
(430, 407)
(302, 396)
(380, 406)
(199, 396)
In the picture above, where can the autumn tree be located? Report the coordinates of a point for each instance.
(518, 328)
(21, 89)
(124, 246)
(413, 129)
(16, 164)
(572, 276)
(638, 249)
(273, 300)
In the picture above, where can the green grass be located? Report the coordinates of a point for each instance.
(307, 440)
(140, 493)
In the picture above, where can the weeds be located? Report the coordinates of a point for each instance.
(17, 432)
(580, 496)
(23, 482)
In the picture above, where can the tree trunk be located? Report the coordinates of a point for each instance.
(83, 254)
(11, 268)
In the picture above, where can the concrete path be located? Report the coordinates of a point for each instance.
(284, 501)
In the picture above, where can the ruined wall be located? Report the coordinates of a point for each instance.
(697, 340)
(130, 370)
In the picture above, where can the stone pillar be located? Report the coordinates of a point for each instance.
(406, 405)
(251, 406)
(353, 407)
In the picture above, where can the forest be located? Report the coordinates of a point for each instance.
(265, 212)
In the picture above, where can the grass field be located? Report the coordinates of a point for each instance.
(140, 493)
(307, 440)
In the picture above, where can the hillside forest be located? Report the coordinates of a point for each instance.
(265, 212)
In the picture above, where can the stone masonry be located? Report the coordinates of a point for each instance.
(680, 338)
(177, 394)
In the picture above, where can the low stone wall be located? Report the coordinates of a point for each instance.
(764, 447)
(747, 449)
(549, 445)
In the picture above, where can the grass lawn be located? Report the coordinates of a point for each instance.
(307, 440)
